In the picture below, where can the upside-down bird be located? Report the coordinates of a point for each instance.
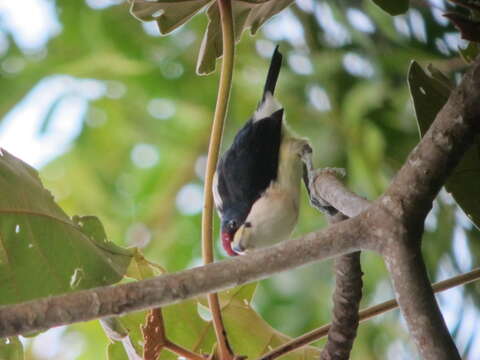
(257, 182)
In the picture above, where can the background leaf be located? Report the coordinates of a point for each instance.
(247, 14)
(429, 94)
(169, 14)
(37, 237)
(393, 7)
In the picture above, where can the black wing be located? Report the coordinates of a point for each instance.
(249, 166)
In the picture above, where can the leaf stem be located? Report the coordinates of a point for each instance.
(181, 351)
(225, 84)
(366, 314)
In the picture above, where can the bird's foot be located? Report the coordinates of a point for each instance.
(310, 176)
(316, 201)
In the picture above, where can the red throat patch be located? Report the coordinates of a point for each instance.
(227, 239)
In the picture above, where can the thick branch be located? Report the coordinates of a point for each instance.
(418, 305)
(396, 219)
(346, 302)
(403, 208)
(346, 299)
(172, 288)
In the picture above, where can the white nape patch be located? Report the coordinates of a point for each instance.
(216, 195)
(267, 107)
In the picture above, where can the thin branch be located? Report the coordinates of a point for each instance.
(154, 335)
(41, 314)
(225, 85)
(181, 351)
(366, 314)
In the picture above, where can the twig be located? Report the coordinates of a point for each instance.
(225, 85)
(181, 351)
(365, 315)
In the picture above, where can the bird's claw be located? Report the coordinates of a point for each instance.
(312, 174)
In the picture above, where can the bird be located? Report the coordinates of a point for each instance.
(256, 185)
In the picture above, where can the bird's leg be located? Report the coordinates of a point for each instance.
(309, 176)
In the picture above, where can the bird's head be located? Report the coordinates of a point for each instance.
(229, 228)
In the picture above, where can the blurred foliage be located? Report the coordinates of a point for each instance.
(137, 162)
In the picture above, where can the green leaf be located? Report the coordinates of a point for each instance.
(126, 331)
(169, 14)
(11, 348)
(126, 334)
(141, 269)
(115, 351)
(248, 332)
(247, 14)
(429, 95)
(470, 52)
(37, 237)
(393, 7)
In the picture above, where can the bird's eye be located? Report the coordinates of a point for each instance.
(232, 225)
(248, 224)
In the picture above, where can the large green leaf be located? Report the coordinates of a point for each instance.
(43, 251)
(247, 14)
(429, 94)
(248, 333)
(169, 14)
(393, 7)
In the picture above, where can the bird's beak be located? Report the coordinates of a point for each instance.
(227, 239)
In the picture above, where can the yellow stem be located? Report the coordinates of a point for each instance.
(223, 96)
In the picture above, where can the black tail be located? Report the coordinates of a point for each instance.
(273, 72)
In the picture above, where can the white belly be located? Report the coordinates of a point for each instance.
(271, 220)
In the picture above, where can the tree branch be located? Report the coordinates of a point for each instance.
(167, 289)
(346, 301)
(366, 314)
(407, 202)
(328, 187)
